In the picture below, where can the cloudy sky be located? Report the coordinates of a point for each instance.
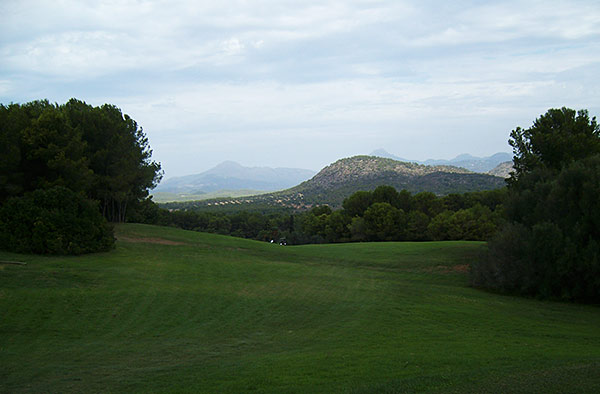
(303, 83)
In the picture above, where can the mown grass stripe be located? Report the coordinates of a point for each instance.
(208, 313)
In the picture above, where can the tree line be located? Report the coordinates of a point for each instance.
(65, 171)
(383, 214)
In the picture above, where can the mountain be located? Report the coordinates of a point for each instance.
(472, 163)
(341, 179)
(502, 170)
(388, 155)
(230, 175)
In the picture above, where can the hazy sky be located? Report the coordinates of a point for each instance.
(304, 83)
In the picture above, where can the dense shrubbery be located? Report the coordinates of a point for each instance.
(53, 221)
(550, 246)
(97, 154)
(381, 215)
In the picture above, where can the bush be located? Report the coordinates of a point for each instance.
(53, 221)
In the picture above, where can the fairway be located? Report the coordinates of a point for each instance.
(177, 311)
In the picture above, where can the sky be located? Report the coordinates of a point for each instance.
(304, 83)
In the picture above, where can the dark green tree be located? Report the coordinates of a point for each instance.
(357, 203)
(428, 203)
(384, 222)
(386, 194)
(53, 221)
(549, 245)
(95, 152)
(555, 139)
(119, 156)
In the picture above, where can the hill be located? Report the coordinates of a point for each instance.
(177, 311)
(346, 176)
(230, 175)
(469, 162)
(341, 179)
(502, 170)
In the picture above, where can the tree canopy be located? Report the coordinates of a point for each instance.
(98, 153)
(555, 139)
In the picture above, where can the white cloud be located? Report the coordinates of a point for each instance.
(232, 47)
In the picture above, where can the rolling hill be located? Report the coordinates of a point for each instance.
(339, 180)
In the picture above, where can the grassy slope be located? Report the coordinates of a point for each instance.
(219, 314)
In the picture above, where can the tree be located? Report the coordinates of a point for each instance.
(357, 203)
(336, 229)
(97, 153)
(386, 194)
(549, 246)
(119, 156)
(441, 226)
(428, 203)
(40, 149)
(556, 139)
(384, 222)
(416, 227)
(53, 221)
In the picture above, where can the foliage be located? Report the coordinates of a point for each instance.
(53, 221)
(380, 215)
(550, 245)
(96, 152)
(384, 222)
(555, 139)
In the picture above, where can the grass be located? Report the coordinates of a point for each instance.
(176, 311)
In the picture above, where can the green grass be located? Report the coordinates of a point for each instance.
(209, 313)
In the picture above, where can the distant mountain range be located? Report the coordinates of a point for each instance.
(339, 180)
(471, 163)
(230, 175)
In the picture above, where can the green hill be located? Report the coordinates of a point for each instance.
(341, 179)
(176, 311)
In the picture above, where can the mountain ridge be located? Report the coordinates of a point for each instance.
(464, 160)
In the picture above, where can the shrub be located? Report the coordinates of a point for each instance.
(53, 221)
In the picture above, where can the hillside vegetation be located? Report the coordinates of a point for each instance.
(341, 179)
(178, 311)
